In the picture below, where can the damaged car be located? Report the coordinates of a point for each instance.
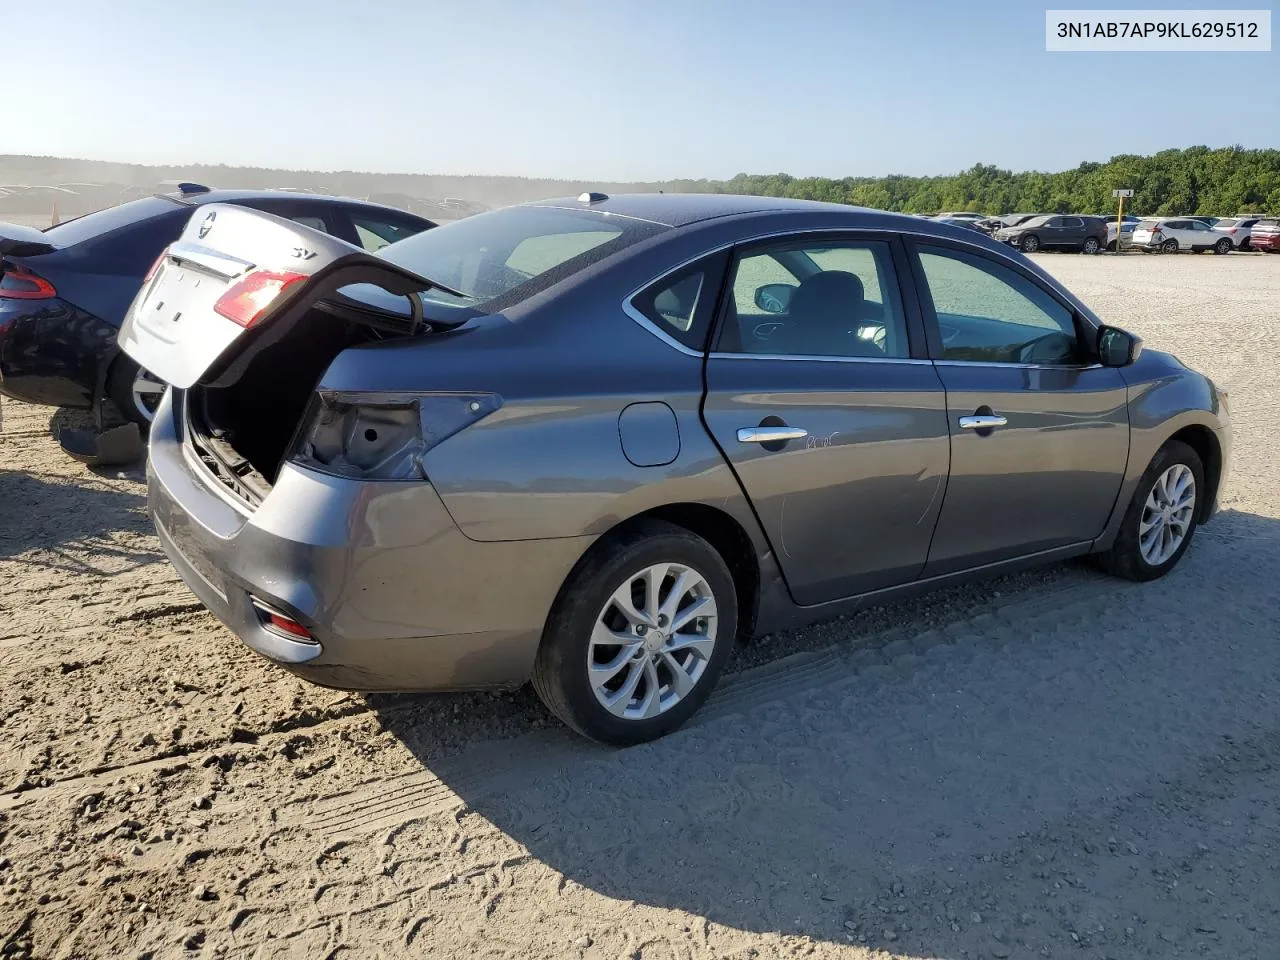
(594, 442)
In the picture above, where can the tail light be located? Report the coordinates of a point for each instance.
(20, 283)
(248, 299)
(375, 436)
(151, 272)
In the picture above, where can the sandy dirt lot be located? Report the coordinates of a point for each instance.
(1050, 765)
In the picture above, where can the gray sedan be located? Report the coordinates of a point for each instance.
(593, 442)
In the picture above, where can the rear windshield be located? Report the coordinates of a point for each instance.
(113, 218)
(500, 258)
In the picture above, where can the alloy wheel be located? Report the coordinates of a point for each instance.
(1169, 246)
(147, 391)
(1167, 514)
(652, 641)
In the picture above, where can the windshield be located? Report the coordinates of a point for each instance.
(1034, 222)
(500, 258)
(112, 218)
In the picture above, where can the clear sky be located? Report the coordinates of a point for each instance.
(608, 89)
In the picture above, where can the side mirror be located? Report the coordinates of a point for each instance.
(1117, 348)
(774, 297)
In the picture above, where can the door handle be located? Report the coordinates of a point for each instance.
(982, 422)
(771, 434)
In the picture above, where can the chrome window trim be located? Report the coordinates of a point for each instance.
(822, 359)
(1020, 366)
(630, 310)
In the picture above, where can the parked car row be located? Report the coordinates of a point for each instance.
(1089, 234)
(64, 290)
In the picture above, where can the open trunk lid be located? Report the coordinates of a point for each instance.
(234, 270)
(19, 241)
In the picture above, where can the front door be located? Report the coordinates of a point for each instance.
(836, 432)
(1039, 431)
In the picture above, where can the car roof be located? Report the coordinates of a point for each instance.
(681, 209)
(234, 196)
(758, 215)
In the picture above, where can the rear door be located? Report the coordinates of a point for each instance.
(1039, 430)
(821, 397)
(1073, 232)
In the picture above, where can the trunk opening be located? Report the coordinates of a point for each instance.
(241, 422)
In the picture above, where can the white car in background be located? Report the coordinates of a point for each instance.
(1239, 229)
(1174, 234)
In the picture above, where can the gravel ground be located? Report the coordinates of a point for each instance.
(1050, 765)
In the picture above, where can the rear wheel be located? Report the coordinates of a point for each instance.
(1090, 245)
(135, 391)
(639, 636)
(1030, 243)
(1161, 519)
(1169, 246)
(1222, 246)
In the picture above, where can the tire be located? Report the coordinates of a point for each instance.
(1169, 246)
(1111, 246)
(560, 672)
(1029, 244)
(1222, 246)
(1127, 557)
(129, 387)
(1090, 245)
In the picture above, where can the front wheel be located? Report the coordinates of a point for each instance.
(1090, 245)
(639, 635)
(1222, 246)
(1161, 519)
(1030, 243)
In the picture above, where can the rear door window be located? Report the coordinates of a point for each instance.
(680, 306)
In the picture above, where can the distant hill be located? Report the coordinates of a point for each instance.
(1197, 180)
(94, 183)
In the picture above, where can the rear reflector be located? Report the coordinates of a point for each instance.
(276, 621)
(247, 300)
(19, 283)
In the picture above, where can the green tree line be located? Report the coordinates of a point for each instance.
(1197, 180)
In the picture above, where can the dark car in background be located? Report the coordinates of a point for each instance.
(592, 442)
(1057, 232)
(965, 223)
(64, 290)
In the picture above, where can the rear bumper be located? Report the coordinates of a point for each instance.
(1264, 242)
(394, 595)
(52, 352)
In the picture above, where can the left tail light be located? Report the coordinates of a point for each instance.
(21, 283)
(376, 436)
(246, 300)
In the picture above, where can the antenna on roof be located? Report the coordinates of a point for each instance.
(592, 197)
